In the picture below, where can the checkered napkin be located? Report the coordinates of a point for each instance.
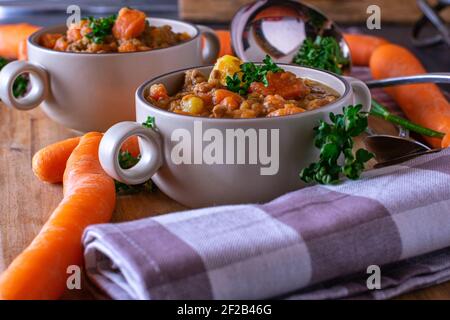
(316, 242)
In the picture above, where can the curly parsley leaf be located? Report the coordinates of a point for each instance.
(322, 53)
(269, 65)
(20, 85)
(123, 189)
(250, 73)
(101, 28)
(3, 62)
(127, 160)
(335, 140)
(149, 123)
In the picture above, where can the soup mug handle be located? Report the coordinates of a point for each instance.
(361, 92)
(39, 85)
(150, 145)
(211, 49)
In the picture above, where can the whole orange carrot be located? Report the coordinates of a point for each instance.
(22, 51)
(422, 103)
(225, 42)
(446, 141)
(132, 146)
(40, 271)
(362, 46)
(49, 163)
(11, 35)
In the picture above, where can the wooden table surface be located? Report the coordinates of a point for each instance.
(26, 203)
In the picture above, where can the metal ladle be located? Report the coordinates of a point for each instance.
(279, 27)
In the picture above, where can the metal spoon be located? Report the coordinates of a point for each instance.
(404, 158)
(390, 149)
(433, 77)
(278, 28)
(387, 147)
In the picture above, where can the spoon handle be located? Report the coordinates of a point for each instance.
(403, 158)
(436, 77)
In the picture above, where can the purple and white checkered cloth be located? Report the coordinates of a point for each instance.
(314, 243)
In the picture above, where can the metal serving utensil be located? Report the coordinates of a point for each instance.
(404, 158)
(431, 15)
(278, 28)
(432, 77)
(388, 149)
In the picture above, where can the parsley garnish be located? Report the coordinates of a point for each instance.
(251, 73)
(101, 28)
(3, 62)
(123, 188)
(127, 160)
(150, 122)
(20, 85)
(335, 139)
(322, 53)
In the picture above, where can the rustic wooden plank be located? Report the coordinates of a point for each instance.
(349, 11)
(26, 203)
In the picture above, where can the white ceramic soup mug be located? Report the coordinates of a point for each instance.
(92, 91)
(211, 161)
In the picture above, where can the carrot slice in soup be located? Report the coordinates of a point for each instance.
(48, 40)
(129, 24)
(221, 94)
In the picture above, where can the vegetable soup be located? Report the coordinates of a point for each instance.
(243, 90)
(129, 31)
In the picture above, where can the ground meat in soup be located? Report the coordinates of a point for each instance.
(286, 94)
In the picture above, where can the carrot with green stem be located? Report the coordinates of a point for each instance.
(423, 104)
(362, 47)
(40, 271)
(379, 111)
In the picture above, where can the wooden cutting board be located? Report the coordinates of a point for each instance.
(26, 203)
